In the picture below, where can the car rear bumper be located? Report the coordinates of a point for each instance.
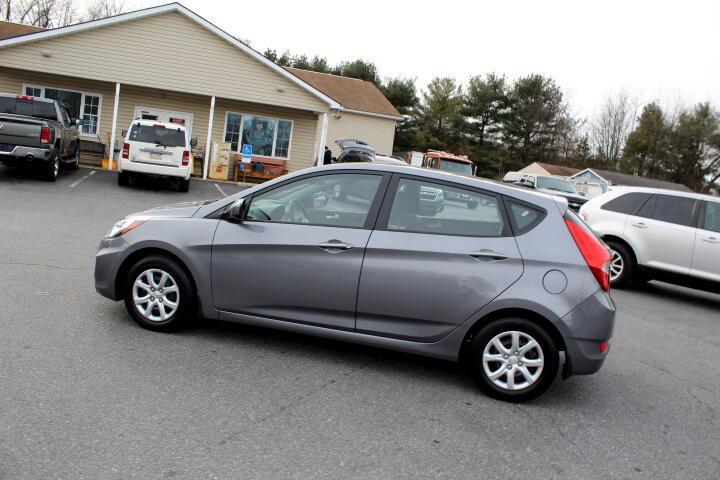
(590, 324)
(154, 170)
(20, 155)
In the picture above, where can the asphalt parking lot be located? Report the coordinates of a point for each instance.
(87, 394)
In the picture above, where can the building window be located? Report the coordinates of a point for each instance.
(81, 105)
(270, 137)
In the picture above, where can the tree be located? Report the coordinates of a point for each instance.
(361, 69)
(647, 147)
(695, 148)
(534, 117)
(440, 115)
(612, 126)
(485, 105)
(401, 92)
(40, 13)
(104, 8)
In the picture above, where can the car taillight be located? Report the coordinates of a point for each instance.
(596, 255)
(45, 135)
(186, 158)
(24, 97)
(126, 150)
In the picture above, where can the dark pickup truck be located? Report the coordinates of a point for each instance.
(36, 130)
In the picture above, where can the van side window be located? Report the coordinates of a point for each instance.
(669, 208)
(711, 220)
(627, 204)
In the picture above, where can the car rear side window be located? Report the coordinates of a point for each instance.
(670, 208)
(627, 204)
(711, 219)
(428, 207)
(523, 217)
(30, 108)
(158, 135)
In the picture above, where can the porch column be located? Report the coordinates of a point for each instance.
(111, 154)
(209, 138)
(323, 139)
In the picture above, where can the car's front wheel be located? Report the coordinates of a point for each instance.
(75, 164)
(514, 359)
(158, 294)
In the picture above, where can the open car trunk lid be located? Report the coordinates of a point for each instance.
(355, 151)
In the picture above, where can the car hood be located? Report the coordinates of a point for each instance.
(174, 210)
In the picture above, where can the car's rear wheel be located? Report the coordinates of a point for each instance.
(123, 179)
(184, 185)
(158, 294)
(514, 359)
(622, 265)
(52, 169)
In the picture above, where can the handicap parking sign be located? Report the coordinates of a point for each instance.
(247, 153)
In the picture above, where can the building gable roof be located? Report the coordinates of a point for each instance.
(353, 94)
(558, 170)
(33, 36)
(9, 29)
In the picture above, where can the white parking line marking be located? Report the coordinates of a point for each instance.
(76, 182)
(220, 190)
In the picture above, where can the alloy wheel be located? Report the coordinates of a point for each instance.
(617, 265)
(513, 360)
(156, 295)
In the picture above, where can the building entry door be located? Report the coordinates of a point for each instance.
(166, 116)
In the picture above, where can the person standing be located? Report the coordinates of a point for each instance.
(328, 156)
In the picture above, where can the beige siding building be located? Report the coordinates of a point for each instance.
(169, 64)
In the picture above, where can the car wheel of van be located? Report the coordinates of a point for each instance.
(52, 169)
(123, 179)
(184, 185)
(622, 265)
(514, 359)
(472, 205)
(158, 294)
(75, 161)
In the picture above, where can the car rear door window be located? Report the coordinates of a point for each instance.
(711, 219)
(336, 200)
(628, 203)
(670, 208)
(428, 207)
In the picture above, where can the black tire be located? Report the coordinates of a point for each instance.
(76, 160)
(338, 193)
(472, 205)
(549, 356)
(184, 185)
(624, 279)
(185, 298)
(52, 169)
(123, 179)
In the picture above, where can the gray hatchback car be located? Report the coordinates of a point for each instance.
(505, 286)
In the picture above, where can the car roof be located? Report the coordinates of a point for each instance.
(619, 190)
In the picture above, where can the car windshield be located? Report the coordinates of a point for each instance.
(158, 135)
(557, 184)
(453, 166)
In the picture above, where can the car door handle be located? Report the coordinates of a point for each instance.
(711, 240)
(488, 255)
(334, 246)
(639, 225)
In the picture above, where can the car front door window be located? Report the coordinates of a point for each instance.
(337, 200)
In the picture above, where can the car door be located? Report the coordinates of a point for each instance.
(428, 269)
(706, 259)
(298, 253)
(662, 232)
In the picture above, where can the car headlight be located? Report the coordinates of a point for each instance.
(124, 226)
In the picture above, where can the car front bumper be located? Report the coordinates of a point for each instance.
(589, 325)
(108, 260)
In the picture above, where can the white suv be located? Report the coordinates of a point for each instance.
(659, 234)
(156, 149)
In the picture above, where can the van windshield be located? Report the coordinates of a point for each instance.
(461, 168)
(158, 135)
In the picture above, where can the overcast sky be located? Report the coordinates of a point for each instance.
(655, 49)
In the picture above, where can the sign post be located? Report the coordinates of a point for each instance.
(247, 150)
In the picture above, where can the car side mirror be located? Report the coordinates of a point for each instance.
(320, 200)
(193, 142)
(237, 210)
(77, 122)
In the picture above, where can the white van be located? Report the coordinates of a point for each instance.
(156, 149)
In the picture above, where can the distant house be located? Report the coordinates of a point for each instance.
(609, 178)
(540, 168)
